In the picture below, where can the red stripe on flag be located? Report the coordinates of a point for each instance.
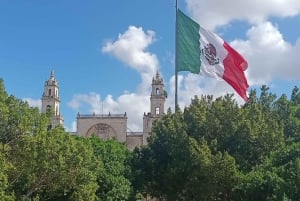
(234, 67)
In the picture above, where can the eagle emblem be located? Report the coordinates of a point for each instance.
(210, 53)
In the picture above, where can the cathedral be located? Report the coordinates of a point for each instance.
(107, 126)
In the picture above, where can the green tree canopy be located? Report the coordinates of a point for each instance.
(53, 165)
(114, 176)
(175, 166)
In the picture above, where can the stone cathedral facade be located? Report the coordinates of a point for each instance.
(107, 126)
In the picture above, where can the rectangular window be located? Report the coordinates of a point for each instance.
(157, 110)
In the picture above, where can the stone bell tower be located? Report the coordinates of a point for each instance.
(51, 100)
(157, 104)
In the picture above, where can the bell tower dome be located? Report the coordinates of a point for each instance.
(51, 100)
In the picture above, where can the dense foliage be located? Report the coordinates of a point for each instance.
(41, 164)
(215, 149)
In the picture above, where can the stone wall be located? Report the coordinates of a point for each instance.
(105, 126)
(134, 139)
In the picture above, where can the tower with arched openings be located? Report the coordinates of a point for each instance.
(51, 101)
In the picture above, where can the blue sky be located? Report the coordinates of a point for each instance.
(105, 53)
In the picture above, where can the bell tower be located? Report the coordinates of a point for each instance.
(158, 96)
(51, 100)
(157, 104)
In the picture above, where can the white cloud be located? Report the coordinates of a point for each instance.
(219, 12)
(133, 104)
(190, 85)
(73, 127)
(92, 99)
(34, 102)
(269, 55)
(130, 48)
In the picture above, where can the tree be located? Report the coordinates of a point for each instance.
(5, 194)
(53, 165)
(286, 164)
(277, 179)
(17, 118)
(248, 133)
(114, 176)
(175, 166)
(295, 97)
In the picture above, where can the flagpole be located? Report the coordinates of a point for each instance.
(176, 71)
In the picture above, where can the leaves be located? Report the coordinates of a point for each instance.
(53, 164)
(5, 195)
(175, 166)
(114, 177)
(215, 149)
(219, 150)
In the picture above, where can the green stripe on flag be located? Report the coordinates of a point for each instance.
(187, 44)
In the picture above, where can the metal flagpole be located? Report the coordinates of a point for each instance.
(176, 71)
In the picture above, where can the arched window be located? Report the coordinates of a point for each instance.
(157, 110)
(49, 92)
(48, 108)
(157, 91)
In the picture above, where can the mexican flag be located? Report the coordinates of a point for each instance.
(199, 50)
